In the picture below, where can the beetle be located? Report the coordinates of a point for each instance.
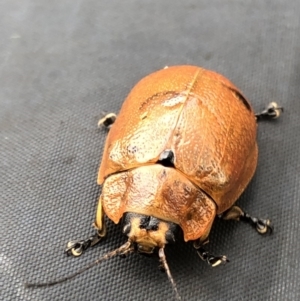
(180, 153)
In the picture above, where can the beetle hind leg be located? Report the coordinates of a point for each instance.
(262, 226)
(108, 120)
(206, 256)
(76, 248)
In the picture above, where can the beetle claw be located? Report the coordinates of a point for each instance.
(218, 260)
(74, 248)
(264, 226)
(272, 111)
(108, 120)
(212, 260)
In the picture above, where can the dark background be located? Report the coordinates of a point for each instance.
(62, 63)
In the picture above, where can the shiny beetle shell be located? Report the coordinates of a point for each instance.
(205, 123)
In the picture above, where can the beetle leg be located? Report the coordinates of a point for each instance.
(107, 120)
(76, 248)
(272, 111)
(212, 260)
(262, 226)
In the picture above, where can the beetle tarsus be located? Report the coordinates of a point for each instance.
(262, 226)
(272, 111)
(76, 248)
(108, 120)
(210, 259)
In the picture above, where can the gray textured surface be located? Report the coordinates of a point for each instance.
(62, 62)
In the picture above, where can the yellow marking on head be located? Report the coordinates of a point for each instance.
(148, 238)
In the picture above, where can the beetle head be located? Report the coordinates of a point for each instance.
(148, 232)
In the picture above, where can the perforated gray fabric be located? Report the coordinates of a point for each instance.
(62, 63)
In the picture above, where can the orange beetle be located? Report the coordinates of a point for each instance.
(198, 123)
(181, 151)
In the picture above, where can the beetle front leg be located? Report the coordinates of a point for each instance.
(262, 226)
(76, 248)
(210, 259)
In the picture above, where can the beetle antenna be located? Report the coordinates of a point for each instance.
(124, 249)
(163, 260)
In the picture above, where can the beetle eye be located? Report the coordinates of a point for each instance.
(170, 238)
(126, 229)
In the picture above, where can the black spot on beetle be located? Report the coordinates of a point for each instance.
(152, 227)
(166, 158)
(163, 174)
(144, 221)
(132, 149)
(149, 223)
(189, 216)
